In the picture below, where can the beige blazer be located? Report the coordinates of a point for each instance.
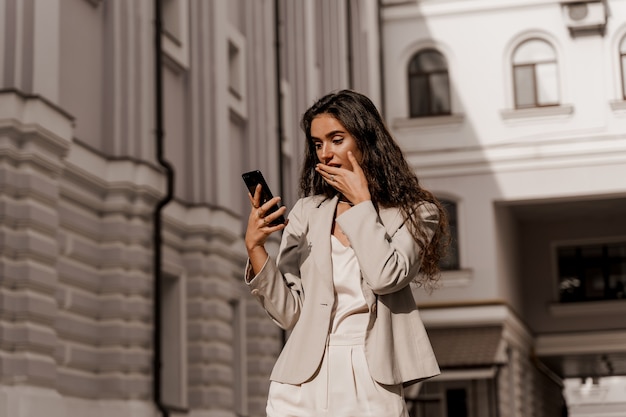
(297, 290)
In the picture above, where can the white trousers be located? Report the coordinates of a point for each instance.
(342, 387)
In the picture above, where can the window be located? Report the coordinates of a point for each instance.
(622, 59)
(173, 337)
(439, 400)
(234, 70)
(175, 35)
(236, 75)
(592, 272)
(535, 77)
(451, 261)
(456, 402)
(172, 19)
(429, 86)
(240, 357)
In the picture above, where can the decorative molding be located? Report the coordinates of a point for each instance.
(467, 374)
(538, 112)
(581, 343)
(457, 278)
(618, 106)
(590, 308)
(33, 120)
(94, 3)
(111, 185)
(433, 121)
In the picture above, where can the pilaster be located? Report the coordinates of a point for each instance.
(35, 137)
(31, 43)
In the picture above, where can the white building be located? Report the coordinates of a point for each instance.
(122, 207)
(515, 112)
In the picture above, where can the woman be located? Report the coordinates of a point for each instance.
(363, 231)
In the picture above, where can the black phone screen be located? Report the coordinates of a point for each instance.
(252, 178)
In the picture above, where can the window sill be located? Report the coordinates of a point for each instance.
(618, 106)
(417, 122)
(457, 278)
(537, 112)
(588, 308)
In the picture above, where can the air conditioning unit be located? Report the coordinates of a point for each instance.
(585, 17)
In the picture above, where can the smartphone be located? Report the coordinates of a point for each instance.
(253, 178)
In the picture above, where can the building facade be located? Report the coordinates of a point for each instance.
(121, 198)
(125, 127)
(513, 113)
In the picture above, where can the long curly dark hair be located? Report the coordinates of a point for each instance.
(392, 183)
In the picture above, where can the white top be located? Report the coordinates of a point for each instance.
(350, 312)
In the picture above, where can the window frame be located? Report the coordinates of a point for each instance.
(578, 245)
(175, 39)
(174, 359)
(429, 94)
(437, 395)
(622, 59)
(239, 325)
(535, 79)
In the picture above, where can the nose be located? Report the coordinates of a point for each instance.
(326, 153)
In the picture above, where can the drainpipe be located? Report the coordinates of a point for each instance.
(279, 113)
(349, 42)
(381, 61)
(157, 226)
(279, 101)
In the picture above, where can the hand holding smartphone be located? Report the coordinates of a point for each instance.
(252, 179)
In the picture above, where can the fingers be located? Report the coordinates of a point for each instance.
(355, 164)
(349, 181)
(328, 173)
(268, 218)
(265, 214)
(256, 199)
(260, 221)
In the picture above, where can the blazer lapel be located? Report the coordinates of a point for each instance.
(392, 219)
(319, 229)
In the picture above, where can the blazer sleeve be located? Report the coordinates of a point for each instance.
(388, 255)
(281, 293)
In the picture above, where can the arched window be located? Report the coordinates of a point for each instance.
(535, 75)
(429, 85)
(622, 58)
(451, 261)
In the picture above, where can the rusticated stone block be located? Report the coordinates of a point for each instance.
(211, 397)
(210, 351)
(78, 274)
(118, 333)
(210, 330)
(78, 329)
(136, 361)
(215, 373)
(26, 337)
(26, 368)
(124, 386)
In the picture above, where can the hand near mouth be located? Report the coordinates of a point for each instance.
(351, 183)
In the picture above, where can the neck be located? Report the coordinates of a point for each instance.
(344, 200)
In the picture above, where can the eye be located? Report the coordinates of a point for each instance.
(317, 145)
(338, 141)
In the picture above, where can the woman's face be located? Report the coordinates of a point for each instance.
(332, 142)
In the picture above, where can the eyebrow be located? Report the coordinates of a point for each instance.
(330, 134)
